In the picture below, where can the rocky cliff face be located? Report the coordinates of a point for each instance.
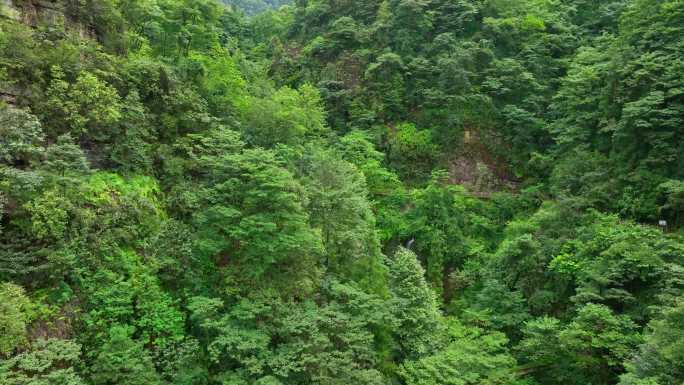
(33, 12)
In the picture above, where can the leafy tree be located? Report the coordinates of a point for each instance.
(522, 258)
(14, 318)
(253, 221)
(672, 191)
(497, 306)
(592, 347)
(386, 192)
(414, 307)
(438, 223)
(386, 85)
(132, 147)
(619, 265)
(610, 338)
(659, 360)
(87, 106)
(65, 158)
(182, 363)
(411, 146)
(221, 82)
(49, 215)
(470, 357)
(339, 207)
(266, 340)
(122, 360)
(287, 116)
(21, 137)
(48, 362)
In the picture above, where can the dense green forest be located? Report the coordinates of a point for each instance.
(252, 7)
(339, 192)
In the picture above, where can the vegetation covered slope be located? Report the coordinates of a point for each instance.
(252, 7)
(414, 192)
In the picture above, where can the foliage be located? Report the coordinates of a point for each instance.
(48, 362)
(590, 348)
(252, 7)
(660, 358)
(265, 339)
(414, 306)
(122, 360)
(287, 116)
(14, 317)
(22, 136)
(404, 192)
(339, 207)
(87, 105)
(471, 357)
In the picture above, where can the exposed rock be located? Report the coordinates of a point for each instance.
(477, 169)
(9, 11)
(33, 12)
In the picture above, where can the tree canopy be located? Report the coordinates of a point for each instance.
(319, 192)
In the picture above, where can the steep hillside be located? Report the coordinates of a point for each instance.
(334, 192)
(253, 7)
